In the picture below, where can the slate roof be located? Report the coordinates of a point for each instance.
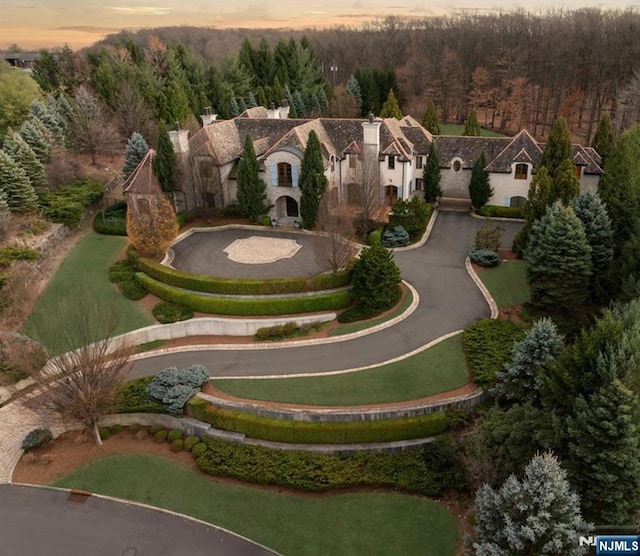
(522, 148)
(142, 180)
(467, 149)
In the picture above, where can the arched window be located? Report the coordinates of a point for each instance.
(457, 165)
(522, 171)
(517, 201)
(284, 175)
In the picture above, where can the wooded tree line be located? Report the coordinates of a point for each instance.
(517, 69)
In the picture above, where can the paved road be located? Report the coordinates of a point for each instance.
(41, 521)
(449, 301)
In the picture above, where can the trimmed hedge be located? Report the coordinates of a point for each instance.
(485, 257)
(123, 274)
(312, 432)
(190, 442)
(112, 220)
(487, 345)
(166, 313)
(431, 470)
(245, 306)
(233, 286)
(501, 212)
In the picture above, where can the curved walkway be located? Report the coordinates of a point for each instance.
(449, 301)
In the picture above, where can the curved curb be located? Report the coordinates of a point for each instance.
(425, 236)
(155, 509)
(493, 306)
(497, 218)
(281, 345)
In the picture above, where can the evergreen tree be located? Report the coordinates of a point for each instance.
(391, 109)
(165, 164)
(619, 188)
(298, 103)
(376, 279)
(565, 183)
(604, 454)
(136, 150)
(538, 201)
(522, 378)
(558, 260)
(50, 119)
(536, 515)
(430, 121)
(352, 88)
(251, 101)
(313, 181)
(471, 125)
(234, 109)
(603, 141)
(558, 147)
(480, 190)
(16, 186)
(177, 99)
(251, 188)
(597, 225)
(18, 149)
(431, 176)
(36, 138)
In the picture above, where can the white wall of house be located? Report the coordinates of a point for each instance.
(505, 186)
(589, 182)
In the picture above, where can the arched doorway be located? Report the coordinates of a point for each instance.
(390, 195)
(287, 207)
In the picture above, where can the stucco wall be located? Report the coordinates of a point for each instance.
(506, 186)
(455, 184)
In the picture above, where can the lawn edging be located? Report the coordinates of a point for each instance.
(493, 306)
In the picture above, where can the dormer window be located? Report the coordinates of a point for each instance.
(391, 162)
(522, 171)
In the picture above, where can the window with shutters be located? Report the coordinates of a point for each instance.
(284, 175)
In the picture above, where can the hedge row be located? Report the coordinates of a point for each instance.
(487, 345)
(234, 286)
(246, 306)
(432, 470)
(502, 212)
(312, 432)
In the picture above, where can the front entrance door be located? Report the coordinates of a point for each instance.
(390, 195)
(292, 207)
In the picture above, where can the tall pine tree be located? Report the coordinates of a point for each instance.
(165, 162)
(136, 150)
(565, 183)
(430, 121)
(313, 182)
(480, 190)
(18, 149)
(557, 148)
(251, 188)
(391, 108)
(471, 125)
(15, 184)
(431, 176)
(603, 140)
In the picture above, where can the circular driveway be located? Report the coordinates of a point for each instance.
(449, 301)
(203, 252)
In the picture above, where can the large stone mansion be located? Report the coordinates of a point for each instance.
(397, 149)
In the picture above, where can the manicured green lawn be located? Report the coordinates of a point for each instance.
(507, 283)
(438, 369)
(357, 326)
(365, 524)
(85, 269)
(458, 129)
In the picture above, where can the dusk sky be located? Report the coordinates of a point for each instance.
(41, 23)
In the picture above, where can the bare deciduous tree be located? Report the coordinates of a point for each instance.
(82, 384)
(334, 249)
(365, 194)
(132, 113)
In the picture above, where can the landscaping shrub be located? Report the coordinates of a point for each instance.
(10, 253)
(112, 220)
(395, 237)
(265, 220)
(312, 432)
(287, 330)
(185, 217)
(375, 237)
(199, 449)
(502, 212)
(105, 433)
(488, 237)
(166, 312)
(132, 289)
(484, 257)
(177, 445)
(115, 429)
(153, 429)
(487, 345)
(246, 306)
(66, 204)
(37, 438)
(190, 442)
(409, 470)
(232, 286)
(174, 434)
(123, 273)
(161, 435)
(233, 211)
(133, 398)
(412, 215)
(376, 278)
(173, 387)
(358, 312)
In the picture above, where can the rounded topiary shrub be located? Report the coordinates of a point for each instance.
(190, 442)
(177, 445)
(153, 429)
(174, 434)
(395, 237)
(484, 257)
(37, 438)
(161, 435)
(199, 449)
(166, 312)
(105, 433)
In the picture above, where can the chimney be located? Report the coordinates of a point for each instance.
(180, 140)
(208, 118)
(371, 132)
(284, 109)
(273, 113)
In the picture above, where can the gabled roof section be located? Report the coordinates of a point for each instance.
(467, 149)
(522, 147)
(393, 140)
(298, 137)
(256, 112)
(589, 158)
(353, 148)
(220, 140)
(142, 181)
